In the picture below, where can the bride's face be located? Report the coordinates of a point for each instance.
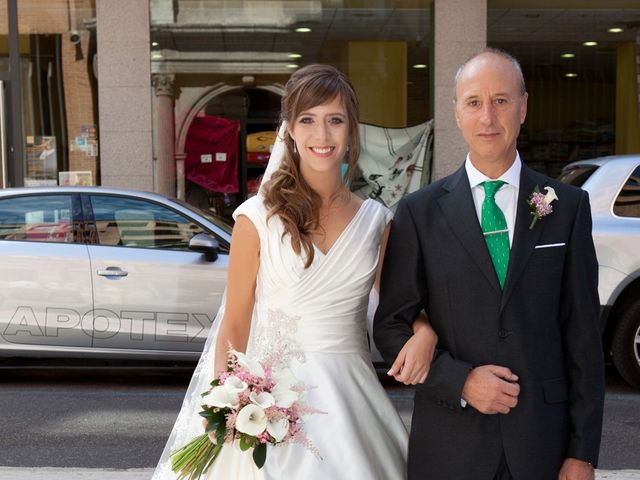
(321, 135)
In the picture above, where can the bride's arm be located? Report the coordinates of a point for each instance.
(411, 366)
(244, 259)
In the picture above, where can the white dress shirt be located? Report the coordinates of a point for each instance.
(506, 197)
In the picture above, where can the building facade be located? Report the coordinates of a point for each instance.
(179, 96)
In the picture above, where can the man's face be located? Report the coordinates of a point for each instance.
(490, 108)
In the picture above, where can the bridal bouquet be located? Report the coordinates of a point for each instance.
(256, 403)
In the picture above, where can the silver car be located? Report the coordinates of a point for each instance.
(613, 184)
(107, 273)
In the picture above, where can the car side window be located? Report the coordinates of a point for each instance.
(137, 223)
(37, 218)
(577, 175)
(628, 201)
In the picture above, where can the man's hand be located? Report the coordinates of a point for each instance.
(491, 389)
(574, 469)
(412, 364)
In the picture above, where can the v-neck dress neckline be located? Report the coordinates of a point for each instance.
(345, 230)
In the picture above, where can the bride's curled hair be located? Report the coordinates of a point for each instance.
(287, 194)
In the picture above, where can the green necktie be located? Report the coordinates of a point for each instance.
(494, 227)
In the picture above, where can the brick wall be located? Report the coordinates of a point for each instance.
(79, 103)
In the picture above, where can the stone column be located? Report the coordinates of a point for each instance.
(124, 83)
(164, 137)
(460, 30)
(180, 182)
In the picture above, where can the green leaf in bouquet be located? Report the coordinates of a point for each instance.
(260, 454)
(217, 421)
(206, 413)
(221, 433)
(245, 443)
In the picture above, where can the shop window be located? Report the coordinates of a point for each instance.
(230, 60)
(58, 86)
(571, 59)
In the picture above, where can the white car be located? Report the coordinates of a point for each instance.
(106, 273)
(613, 184)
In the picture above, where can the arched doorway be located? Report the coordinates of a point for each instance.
(220, 141)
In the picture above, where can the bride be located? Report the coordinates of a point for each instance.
(304, 256)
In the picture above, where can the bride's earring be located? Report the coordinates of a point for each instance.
(295, 148)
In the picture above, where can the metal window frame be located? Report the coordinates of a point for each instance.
(13, 152)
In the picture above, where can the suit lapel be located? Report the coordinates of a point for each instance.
(524, 239)
(459, 210)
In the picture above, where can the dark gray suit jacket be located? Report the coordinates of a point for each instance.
(543, 326)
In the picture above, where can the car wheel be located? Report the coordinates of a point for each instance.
(626, 345)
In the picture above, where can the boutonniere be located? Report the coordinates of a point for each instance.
(540, 203)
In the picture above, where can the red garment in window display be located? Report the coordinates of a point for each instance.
(212, 153)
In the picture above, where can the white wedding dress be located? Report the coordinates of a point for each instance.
(319, 313)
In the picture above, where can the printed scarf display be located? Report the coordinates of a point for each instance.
(395, 161)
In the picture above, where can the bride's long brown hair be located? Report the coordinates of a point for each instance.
(287, 194)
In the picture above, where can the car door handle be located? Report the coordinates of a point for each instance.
(112, 272)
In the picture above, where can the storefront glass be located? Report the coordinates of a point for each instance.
(226, 62)
(575, 62)
(59, 91)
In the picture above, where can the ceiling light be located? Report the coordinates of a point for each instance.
(568, 55)
(590, 44)
(615, 30)
(303, 30)
(419, 65)
(571, 75)
(154, 44)
(294, 55)
(156, 55)
(292, 65)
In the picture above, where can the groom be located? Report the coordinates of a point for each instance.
(516, 385)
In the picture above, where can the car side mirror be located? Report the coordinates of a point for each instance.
(206, 244)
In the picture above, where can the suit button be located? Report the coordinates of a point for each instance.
(502, 333)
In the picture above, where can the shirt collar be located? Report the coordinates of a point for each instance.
(511, 176)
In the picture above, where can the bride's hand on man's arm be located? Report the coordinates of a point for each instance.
(412, 364)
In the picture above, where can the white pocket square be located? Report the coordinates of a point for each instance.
(551, 245)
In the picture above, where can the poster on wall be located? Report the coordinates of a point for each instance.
(76, 178)
(86, 142)
(41, 161)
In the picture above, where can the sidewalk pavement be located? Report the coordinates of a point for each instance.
(9, 473)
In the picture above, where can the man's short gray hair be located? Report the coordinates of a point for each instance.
(500, 53)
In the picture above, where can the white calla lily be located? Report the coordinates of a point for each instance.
(550, 196)
(263, 400)
(221, 397)
(249, 364)
(278, 429)
(234, 385)
(284, 397)
(251, 420)
(284, 380)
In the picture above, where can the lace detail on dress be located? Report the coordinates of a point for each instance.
(277, 332)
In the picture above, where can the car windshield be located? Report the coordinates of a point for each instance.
(219, 221)
(578, 174)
